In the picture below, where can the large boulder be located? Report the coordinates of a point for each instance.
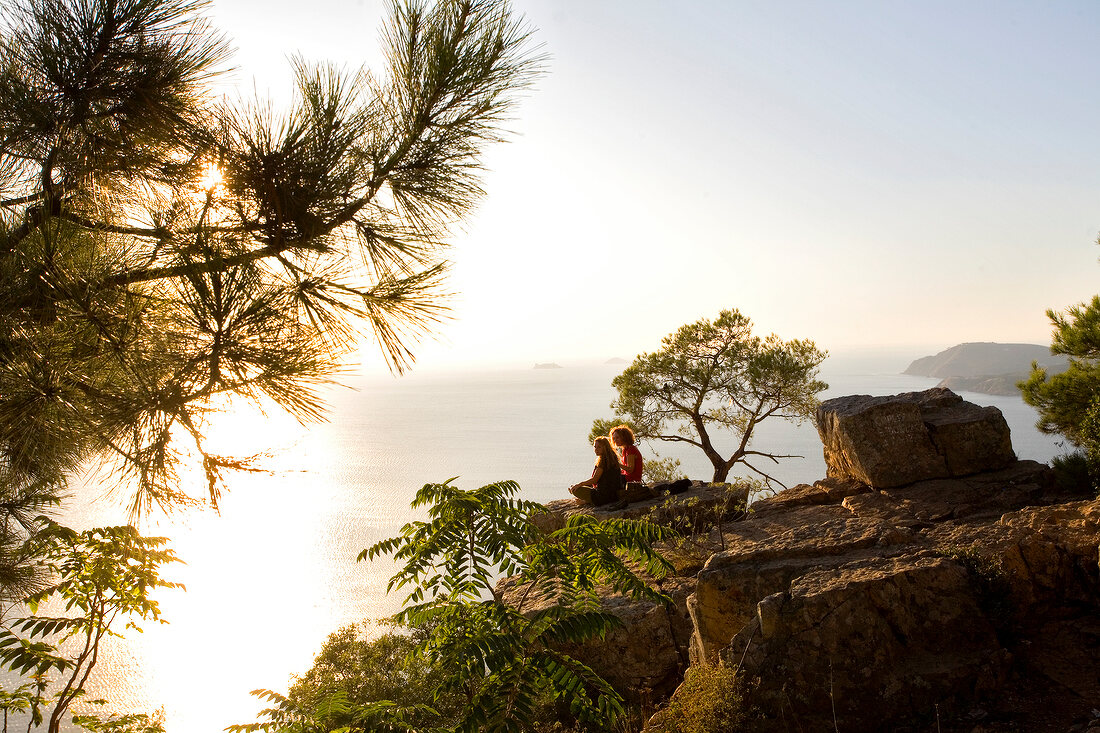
(892, 441)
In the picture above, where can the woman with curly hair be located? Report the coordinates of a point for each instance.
(630, 458)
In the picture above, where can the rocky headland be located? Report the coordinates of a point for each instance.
(930, 581)
(986, 368)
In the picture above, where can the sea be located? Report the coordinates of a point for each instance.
(271, 574)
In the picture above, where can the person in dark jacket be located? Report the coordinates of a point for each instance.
(606, 480)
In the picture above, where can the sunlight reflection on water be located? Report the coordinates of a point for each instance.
(267, 580)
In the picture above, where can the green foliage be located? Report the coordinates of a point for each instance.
(503, 660)
(137, 293)
(129, 723)
(660, 470)
(286, 716)
(1076, 473)
(1077, 332)
(366, 670)
(98, 576)
(991, 584)
(25, 504)
(1065, 401)
(471, 538)
(588, 554)
(700, 530)
(716, 374)
(711, 699)
(1069, 403)
(602, 428)
(26, 700)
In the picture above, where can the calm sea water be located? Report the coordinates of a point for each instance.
(271, 576)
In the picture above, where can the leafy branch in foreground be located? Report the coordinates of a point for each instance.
(356, 667)
(502, 659)
(102, 574)
(286, 716)
(493, 666)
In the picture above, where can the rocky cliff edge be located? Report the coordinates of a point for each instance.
(929, 579)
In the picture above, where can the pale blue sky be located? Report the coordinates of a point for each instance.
(857, 173)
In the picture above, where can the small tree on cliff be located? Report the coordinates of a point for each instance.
(717, 375)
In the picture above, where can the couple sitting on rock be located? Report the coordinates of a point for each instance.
(612, 471)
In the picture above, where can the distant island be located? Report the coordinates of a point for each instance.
(986, 368)
(548, 365)
(615, 360)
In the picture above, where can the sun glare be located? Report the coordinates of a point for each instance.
(211, 177)
(238, 427)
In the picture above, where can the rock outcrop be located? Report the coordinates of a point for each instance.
(860, 605)
(929, 573)
(893, 441)
(899, 584)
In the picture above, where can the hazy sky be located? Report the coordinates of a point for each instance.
(858, 173)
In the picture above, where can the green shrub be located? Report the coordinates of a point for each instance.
(990, 582)
(699, 529)
(367, 670)
(1076, 473)
(712, 699)
(657, 470)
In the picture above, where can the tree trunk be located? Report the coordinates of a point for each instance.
(721, 467)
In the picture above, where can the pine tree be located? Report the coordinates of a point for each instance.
(161, 249)
(1068, 403)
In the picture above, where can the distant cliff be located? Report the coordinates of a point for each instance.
(988, 368)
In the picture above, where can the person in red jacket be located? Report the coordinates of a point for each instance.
(630, 459)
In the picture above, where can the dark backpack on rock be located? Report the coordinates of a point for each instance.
(672, 487)
(635, 491)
